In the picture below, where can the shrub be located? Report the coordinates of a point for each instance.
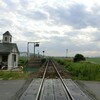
(78, 57)
(22, 61)
(43, 60)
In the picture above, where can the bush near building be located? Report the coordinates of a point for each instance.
(22, 61)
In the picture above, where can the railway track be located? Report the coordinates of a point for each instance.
(52, 86)
(50, 66)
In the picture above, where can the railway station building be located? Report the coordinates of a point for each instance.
(8, 52)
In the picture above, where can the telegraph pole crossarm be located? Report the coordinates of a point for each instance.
(36, 44)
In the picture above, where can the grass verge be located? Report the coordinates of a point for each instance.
(10, 75)
(94, 60)
(81, 70)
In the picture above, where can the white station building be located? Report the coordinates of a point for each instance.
(8, 52)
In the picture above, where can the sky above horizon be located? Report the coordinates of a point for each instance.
(58, 25)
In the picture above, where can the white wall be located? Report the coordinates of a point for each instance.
(8, 39)
(11, 63)
(14, 52)
(17, 60)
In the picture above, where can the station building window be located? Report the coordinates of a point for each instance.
(4, 58)
(5, 38)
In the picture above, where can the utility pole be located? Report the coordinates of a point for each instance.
(27, 51)
(36, 44)
(34, 49)
(38, 54)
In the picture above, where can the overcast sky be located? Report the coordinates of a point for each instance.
(57, 24)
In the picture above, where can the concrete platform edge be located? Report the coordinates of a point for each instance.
(22, 89)
(86, 90)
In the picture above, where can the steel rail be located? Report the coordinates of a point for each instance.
(66, 88)
(70, 97)
(41, 85)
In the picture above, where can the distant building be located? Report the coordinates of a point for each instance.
(8, 52)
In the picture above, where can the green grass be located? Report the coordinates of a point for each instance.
(22, 61)
(9, 75)
(94, 60)
(81, 70)
(13, 75)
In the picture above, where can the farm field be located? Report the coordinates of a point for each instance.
(84, 70)
(94, 60)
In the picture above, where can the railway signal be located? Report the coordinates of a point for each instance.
(43, 53)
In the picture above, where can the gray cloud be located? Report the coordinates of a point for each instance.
(24, 3)
(35, 15)
(96, 36)
(11, 6)
(29, 34)
(75, 16)
(54, 43)
(5, 23)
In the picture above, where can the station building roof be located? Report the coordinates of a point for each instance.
(6, 48)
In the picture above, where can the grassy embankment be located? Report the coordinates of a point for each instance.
(82, 70)
(12, 75)
(22, 74)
